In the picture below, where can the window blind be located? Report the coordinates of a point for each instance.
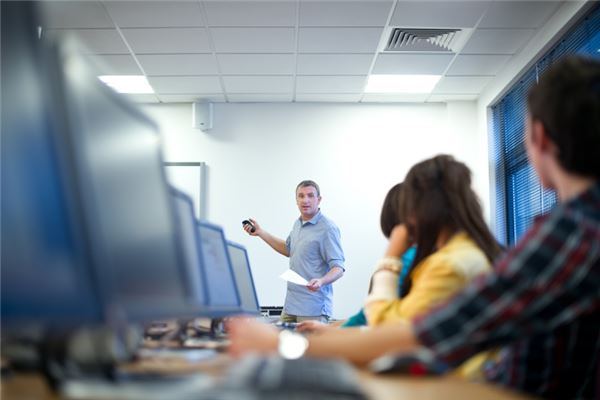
(519, 194)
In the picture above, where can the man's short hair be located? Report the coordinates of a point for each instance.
(567, 102)
(308, 183)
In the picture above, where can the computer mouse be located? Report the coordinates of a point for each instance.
(418, 363)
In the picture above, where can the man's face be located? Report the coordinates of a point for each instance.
(308, 201)
(533, 138)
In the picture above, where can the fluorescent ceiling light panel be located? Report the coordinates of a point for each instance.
(137, 84)
(401, 83)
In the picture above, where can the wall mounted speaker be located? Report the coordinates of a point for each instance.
(202, 115)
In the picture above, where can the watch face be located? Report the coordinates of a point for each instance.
(292, 345)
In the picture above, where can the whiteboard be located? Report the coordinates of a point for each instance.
(189, 177)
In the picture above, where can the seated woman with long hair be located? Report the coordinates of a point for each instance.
(443, 216)
(455, 245)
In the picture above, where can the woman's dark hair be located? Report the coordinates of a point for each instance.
(437, 195)
(567, 102)
(390, 211)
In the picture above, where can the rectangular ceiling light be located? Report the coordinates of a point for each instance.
(401, 83)
(127, 83)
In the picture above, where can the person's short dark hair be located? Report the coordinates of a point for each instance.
(308, 183)
(390, 211)
(567, 102)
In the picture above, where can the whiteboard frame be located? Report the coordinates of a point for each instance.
(201, 199)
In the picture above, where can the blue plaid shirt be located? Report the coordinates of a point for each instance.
(542, 303)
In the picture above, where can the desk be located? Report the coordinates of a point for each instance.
(378, 387)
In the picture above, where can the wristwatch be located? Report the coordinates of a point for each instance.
(292, 345)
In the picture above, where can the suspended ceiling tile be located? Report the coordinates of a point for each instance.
(254, 40)
(75, 14)
(461, 84)
(394, 98)
(154, 14)
(250, 64)
(141, 98)
(477, 64)
(330, 84)
(167, 40)
(328, 97)
(185, 84)
(428, 64)
(438, 14)
(250, 13)
(435, 98)
(259, 84)
(334, 64)
(518, 14)
(344, 13)
(121, 64)
(178, 64)
(95, 41)
(186, 98)
(260, 97)
(339, 40)
(497, 41)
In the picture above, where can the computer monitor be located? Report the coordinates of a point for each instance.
(196, 278)
(243, 278)
(89, 229)
(46, 272)
(223, 297)
(113, 157)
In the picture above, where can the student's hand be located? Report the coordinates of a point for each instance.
(251, 336)
(315, 284)
(312, 326)
(399, 241)
(247, 228)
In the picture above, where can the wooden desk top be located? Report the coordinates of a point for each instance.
(378, 387)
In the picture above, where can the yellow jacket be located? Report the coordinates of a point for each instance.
(436, 278)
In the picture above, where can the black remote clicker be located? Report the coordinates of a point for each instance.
(246, 222)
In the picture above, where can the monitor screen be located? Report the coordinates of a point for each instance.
(112, 153)
(222, 291)
(243, 278)
(46, 275)
(189, 240)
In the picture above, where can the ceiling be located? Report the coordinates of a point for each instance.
(303, 51)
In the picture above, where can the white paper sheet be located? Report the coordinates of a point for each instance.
(293, 277)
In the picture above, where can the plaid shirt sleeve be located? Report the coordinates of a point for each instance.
(548, 280)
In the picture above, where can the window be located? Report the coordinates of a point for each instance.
(519, 195)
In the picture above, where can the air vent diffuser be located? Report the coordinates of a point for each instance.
(404, 39)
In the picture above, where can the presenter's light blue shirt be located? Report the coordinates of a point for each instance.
(314, 248)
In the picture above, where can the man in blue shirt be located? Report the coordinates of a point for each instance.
(315, 253)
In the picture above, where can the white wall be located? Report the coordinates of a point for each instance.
(257, 153)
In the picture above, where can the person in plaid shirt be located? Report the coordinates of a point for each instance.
(541, 304)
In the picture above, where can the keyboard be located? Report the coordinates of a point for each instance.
(278, 378)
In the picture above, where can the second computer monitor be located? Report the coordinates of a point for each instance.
(188, 237)
(223, 296)
(243, 278)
